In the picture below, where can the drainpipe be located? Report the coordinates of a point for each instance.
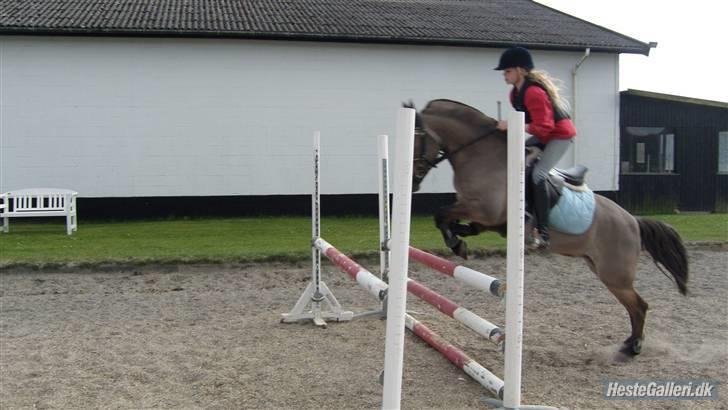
(573, 97)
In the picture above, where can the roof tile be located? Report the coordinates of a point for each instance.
(486, 23)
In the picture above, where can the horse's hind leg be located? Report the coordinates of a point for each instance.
(619, 280)
(637, 309)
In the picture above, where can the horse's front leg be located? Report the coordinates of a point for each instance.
(445, 217)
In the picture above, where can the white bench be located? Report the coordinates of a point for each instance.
(37, 202)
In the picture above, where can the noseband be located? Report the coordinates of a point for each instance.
(423, 165)
(441, 153)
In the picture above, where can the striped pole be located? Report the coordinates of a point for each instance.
(384, 220)
(456, 356)
(464, 274)
(462, 315)
(317, 296)
(377, 288)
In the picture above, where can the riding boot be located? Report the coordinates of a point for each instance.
(541, 206)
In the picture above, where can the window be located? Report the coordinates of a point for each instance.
(723, 152)
(649, 150)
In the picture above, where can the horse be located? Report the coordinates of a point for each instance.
(611, 246)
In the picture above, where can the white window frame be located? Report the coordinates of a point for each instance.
(723, 152)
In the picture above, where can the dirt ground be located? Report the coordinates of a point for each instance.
(209, 337)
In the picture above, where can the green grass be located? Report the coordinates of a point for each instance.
(245, 239)
(698, 227)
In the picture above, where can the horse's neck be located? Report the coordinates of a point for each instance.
(452, 134)
(467, 143)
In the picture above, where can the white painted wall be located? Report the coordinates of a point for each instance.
(125, 117)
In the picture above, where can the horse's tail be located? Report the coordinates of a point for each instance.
(665, 246)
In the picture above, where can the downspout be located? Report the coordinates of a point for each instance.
(573, 98)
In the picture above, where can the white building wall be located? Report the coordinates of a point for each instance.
(128, 117)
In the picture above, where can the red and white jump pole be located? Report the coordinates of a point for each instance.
(377, 288)
(463, 274)
(462, 315)
(456, 356)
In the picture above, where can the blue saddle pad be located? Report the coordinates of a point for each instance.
(574, 212)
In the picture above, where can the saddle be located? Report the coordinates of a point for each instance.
(573, 178)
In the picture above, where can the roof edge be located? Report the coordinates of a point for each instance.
(644, 49)
(672, 97)
(292, 36)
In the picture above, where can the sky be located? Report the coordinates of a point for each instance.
(691, 58)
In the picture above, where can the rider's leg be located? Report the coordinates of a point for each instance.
(553, 152)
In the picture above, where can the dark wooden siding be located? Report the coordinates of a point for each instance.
(696, 185)
(721, 193)
(649, 194)
(246, 206)
(696, 161)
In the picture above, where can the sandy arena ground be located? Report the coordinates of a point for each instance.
(209, 337)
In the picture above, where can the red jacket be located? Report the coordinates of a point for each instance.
(541, 112)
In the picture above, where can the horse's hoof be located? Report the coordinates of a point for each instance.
(620, 357)
(461, 249)
(631, 347)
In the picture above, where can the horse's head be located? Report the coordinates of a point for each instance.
(427, 153)
(446, 129)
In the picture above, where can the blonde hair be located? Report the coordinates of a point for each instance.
(549, 84)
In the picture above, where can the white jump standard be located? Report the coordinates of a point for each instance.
(316, 293)
(511, 389)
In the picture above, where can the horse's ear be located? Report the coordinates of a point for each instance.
(409, 104)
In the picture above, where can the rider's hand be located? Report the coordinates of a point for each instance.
(502, 125)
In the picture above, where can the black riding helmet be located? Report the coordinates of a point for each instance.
(515, 57)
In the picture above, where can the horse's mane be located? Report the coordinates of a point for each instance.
(461, 110)
(462, 113)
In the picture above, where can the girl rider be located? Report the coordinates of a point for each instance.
(547, 119)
